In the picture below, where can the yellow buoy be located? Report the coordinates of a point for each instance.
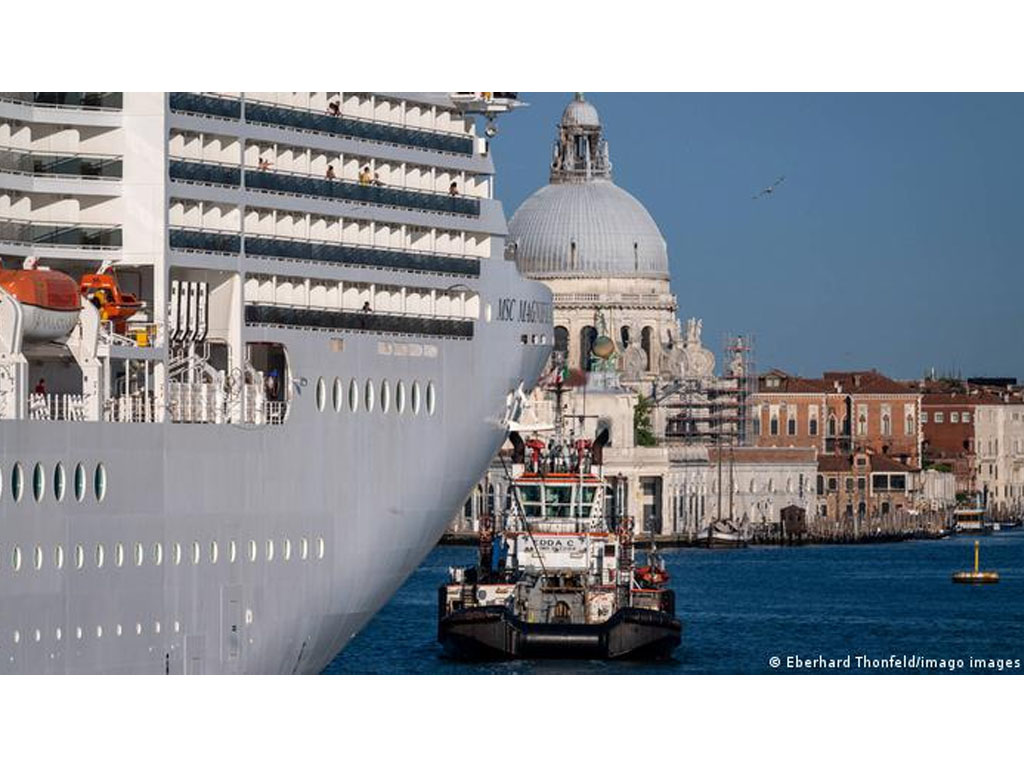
(976, 576)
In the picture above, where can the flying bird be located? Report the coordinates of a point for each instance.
(769, 189)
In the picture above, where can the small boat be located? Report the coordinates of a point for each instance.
(722, 534)
(977, 576)
(115, 306)
(556, 577)
(971, 521)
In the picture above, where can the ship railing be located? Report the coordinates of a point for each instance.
(139, 408)
(56, 407)
(197, 403)
(138, 334)
(275, 411)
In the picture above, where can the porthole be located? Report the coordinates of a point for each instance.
(232, 551)
(99, 482)
(158, 554)
(214, 552)
(385, 396)
(59, 480)
(118, 630)
(177, 553)
(38, 482)
(16, 558)
(58, 557)
(100, 556)
(140, 554)
(138, 628)
(99, 631)
(252, 551)
(487, 313)
(59, 633)
(195, 553)
(400, 397)
(79, 557)
(337, 395)
(431, 398)
(270, 550)
(37, 558)
(17, 481)
(118, 555)
(79, 482)
(320, 548)
(287, 550)
(156, 627)
(248, 616)
(321, 394)
(415, 397)
(177, 627)
(17, 637)
(37, 635)
(353, 396)
(78, 633)
(368, 396)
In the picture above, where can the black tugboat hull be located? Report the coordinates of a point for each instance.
(495, 633)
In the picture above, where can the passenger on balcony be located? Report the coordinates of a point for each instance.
(453, 189)
(263, 165)
(376, 180)
(365, 177)
(334, 108)
(367, 307)
(330, 173)
(271, 385)
(41, 387)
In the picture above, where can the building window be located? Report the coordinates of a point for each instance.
(756, 425)
(954, 418)
(924, 418)
(885, 507)
(812, 426)
(965, 417)
(831, 425)
(774, 425)
(791, 425)
(821, 485)
(940, 417)
(909, 428)
(833, 484)
(862, 419)
(886, 424)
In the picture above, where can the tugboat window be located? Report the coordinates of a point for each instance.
(558, 500)
(529, 495)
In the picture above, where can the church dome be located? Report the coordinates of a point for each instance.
(582, 224)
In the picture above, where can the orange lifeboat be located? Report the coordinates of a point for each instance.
(114, 305)
(49, 301)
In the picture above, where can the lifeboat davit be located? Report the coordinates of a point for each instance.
(49, 301)
(101, 289)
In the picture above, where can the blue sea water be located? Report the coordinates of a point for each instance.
(742, 608)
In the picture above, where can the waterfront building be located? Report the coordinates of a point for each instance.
(949, 442)
(758, 483)
(863, 492)
(999, 440)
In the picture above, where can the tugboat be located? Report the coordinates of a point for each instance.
(556, 575)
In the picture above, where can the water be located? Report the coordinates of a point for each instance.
(741, 608)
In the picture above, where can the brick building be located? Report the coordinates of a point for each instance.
(864, 492)
(948, 429)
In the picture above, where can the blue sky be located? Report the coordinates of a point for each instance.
(895, 242)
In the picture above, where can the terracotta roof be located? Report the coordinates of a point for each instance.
(830, 462)
(866, 383)
(880, 463)
(959, 399)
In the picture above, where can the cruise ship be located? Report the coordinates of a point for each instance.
(255, 350)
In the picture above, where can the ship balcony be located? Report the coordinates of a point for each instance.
(91, 100)
(60, 235)
(264, 113)
(370, 194)
(218, 174)
(56, 407)
(206, 241)
(72, 165)
(347, 320)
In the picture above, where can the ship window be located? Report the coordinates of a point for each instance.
(320, 548)
(16, 558)
(17, 481)
(140, 554)
(37, 558)
(385, 396)
(337, 395)
(214, 552)
(252, 551)
(79, 556)
(353, 396)
(156, 627)
(558, 500)
(118, 630)
(415, 397)
(431, 398)
(59, 481)
(58, 557)
(79, 482)
(78, 633)
(195, 553)
(400, 397)
(232, 551)
(138, 628)
(17, 637)
(101, 555)
(177, 553)
(368, 396)
(304, 548)
(588, 500)
(287, 554)
(270, 550)
(38, 481)
(99, 482)
(177, 627)
(321, 393)
(99, 631)
(529, 497)
(158, 553)
(59, 633)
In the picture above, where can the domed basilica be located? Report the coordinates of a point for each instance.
(605, 260)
